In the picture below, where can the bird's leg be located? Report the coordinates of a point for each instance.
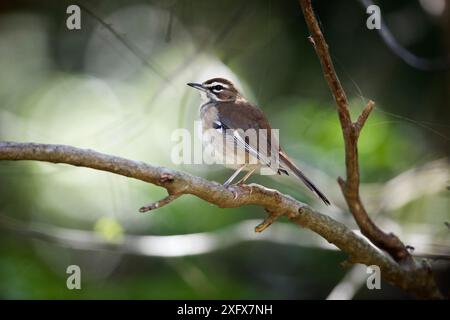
(247, 175)
(244, 178)
(233, 176)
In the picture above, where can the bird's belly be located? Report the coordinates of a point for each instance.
(222, 149)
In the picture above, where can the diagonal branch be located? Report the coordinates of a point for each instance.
(359, 124)
(351, 130)
(418, 281)
(160, 203)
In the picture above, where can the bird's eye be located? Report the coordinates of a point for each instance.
(217, 88)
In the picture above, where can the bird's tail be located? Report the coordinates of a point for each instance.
(284, 159)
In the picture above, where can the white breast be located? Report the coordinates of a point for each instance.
(223, 149)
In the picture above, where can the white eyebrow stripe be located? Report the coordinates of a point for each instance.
(226, 86)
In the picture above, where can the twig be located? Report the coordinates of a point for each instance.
(425, 64)
(160, 203)
(133, 49)
(268, 221)
(363, 116)
(350, 186)
(416, 281)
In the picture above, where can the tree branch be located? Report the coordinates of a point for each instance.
(417, 281)
(351, 130)
(160, 203)
(363, 116)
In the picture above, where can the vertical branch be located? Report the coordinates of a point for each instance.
(351, 130)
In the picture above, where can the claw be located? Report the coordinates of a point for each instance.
(246, 186)
(231, 188)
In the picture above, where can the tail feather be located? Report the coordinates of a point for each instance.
(285, 160)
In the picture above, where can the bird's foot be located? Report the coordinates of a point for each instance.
(242, 186)
(245, 187)
(231, 187)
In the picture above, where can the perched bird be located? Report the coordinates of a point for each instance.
(226, 115)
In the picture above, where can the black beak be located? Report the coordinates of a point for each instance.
(198, 86)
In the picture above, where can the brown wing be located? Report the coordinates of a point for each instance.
(246, 116)
(243, 116)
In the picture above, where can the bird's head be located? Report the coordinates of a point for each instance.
(217, 90)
